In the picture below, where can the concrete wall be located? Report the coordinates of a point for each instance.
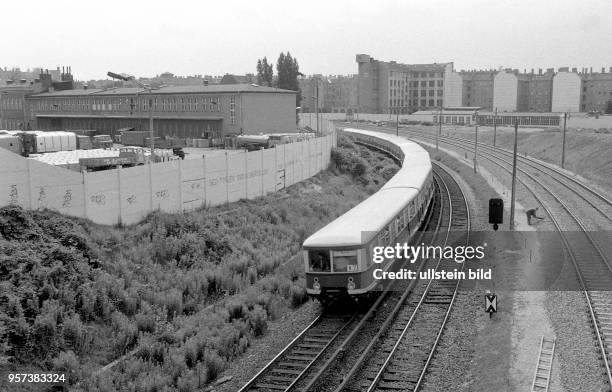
(505, 92)
(566, 92)
(128, 195)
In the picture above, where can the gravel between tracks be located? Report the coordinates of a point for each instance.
(576, 366)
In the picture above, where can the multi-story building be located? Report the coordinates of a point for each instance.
(337, 93)
(205, 111)
(477, 88)
(596, 92)
(523, 92)
(391, 87)
(15, 113)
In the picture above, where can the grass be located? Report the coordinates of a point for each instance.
(186, 292)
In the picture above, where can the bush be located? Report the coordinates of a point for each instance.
(298, 295)
(214, 366)
(67, 362)
(258, 320)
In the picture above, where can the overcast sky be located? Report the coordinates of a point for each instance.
(145, 38)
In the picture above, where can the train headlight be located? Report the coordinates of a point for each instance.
(351, 284)
(316, 284)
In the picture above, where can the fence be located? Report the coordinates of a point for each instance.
(127, 195)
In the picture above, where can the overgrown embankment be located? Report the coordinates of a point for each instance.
(75, 296)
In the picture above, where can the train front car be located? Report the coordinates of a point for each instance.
(338, 258)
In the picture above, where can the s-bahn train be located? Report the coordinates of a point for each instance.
(338, 257)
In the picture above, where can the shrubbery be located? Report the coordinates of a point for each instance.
(74, 295)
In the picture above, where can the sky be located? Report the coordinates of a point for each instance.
(146, 38)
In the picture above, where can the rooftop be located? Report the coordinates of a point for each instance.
(215, 88)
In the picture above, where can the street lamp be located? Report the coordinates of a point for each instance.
(150, 89)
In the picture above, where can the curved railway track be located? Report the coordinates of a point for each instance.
(594, 198)
(398, 359)
(588, 254)
(307, 360)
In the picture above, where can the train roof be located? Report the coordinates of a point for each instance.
(360, 224)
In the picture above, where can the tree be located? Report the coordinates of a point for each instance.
(287, 69)
(265, 72)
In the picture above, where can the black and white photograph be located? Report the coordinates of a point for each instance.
(322, 196)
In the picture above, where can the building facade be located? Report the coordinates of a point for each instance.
(336, 93)
(205, 111)
(477, 88)
(596, 92)
(391, 87)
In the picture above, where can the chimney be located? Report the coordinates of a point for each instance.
(591, 69)
(205, 82)
(603, 69)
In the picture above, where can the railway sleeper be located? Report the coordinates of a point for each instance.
(303, 358)
(273, 387)
(292, 365)
(286, 371)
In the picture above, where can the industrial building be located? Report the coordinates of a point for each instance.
(391, 87)
(197, 111)
(14, 112)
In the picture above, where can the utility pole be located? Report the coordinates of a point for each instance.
(439, 131)
(150, 89)
(317, 104)
(495, 127)
(563, 147)
(397, 122)
(513, 192)
(151, 133)
(475, 140)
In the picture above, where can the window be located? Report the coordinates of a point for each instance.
(319, 261)
(344, 260)
(432, 83)
(233, 110)
(423, 84)
(383, 237)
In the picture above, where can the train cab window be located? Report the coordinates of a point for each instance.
(319, 261)
(345, 260)
(384, 237)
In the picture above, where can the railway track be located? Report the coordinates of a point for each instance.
(322, 343)
(587, 253)
(306, 363)
(398, 359)
(291, 364)
(601, 203)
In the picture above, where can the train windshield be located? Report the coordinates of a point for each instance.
(319, 260)
(345, 260)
